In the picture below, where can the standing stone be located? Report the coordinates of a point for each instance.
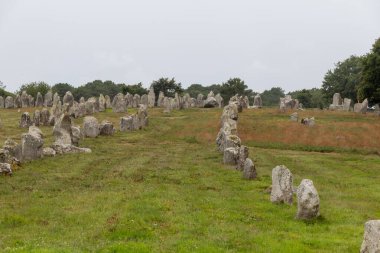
(9, 102)
(142, 115)
(89, 107)
(32, 144)
(102, 103)
(136, 101)
(160, 101)
(76, 135)
(219, 100)
(48, 100)
(364, 106)
(337, 99)
(108, 101)
(249, 170)
(245, 102)
(210, 102)
(118, 103)
(68, 98)
(167, 105)
(371, 241)
(282, 185)
(243, 155)
(144, 100)
(200, 102)
(257, 102)
(106, 128)
(82, 100)
(2, 104)
(307, 200)
(90, 127)
(13, 148)
(17, 101)
(25, 120)
(44, 117)
(56, 109)
(24, 99)
(346, 104)
(39, 100)
(37, 118)
(62, 131)
(230, 156)
(5, 168)
(151, 98)
(31, 100)
(126, 123)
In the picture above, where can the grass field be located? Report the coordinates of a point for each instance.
(165, 189)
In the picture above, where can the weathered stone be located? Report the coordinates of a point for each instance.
(257, 102)
(243, 155)
(245, 102)
(32, 144)
(76, 135)
(337, 99)
(371, 241)
(219, 100)
(230, 156)
(9, 102)
(17, 101)
(210, 102)
(102, 103)
(39, 100)
(44, 117)
(5, 168)
(95, 102)
(62, 131)
(106, 128)
(48, 151)
(108, 101)
(144, 99)
(282, 185)
(142, 115)
(160, 100)
(230, 112)
(249, 170)
(67, 148)
(118, 103)
(31, 101)
(68, 98)
(56, 109)
(48, 100)
(346, 104)
(307, 200)
(294, 116)
(25, 120)
(82, 100)
(13, 148)
(90, 127)
(24, 99)
(2, 103)
(37, 117)
(136, 100)
(89, 107)
(151, 97)
(126, 123)
(200, 102)
(210, 94)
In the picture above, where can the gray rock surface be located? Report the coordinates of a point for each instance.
(371, 241)
(307, 200)
(282, 185)
(90, 127)
(249, 170)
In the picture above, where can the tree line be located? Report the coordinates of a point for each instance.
(357, 78)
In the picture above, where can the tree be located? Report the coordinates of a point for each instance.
(168, 86)
(272, 97)
(93, 89)
(310, 98)
(232, 87)
(196, 89)
(343, 79)
(134, 89)
(34, 87)
(62, 88)
(370, 80)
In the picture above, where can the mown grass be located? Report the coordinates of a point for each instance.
(164, 189)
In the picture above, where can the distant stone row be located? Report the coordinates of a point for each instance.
(345, 104)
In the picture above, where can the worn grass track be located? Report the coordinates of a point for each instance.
(164, 189)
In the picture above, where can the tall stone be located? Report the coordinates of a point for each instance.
(307, 200)
(32, 144)
(17, 101)
(62, 131)
(82, 100)
(108, 101)
(44, 117)
(257, 102)
(25, 120)
(160, 100)
(136, 101)
(144, 99)
(126, 123)
(39, 100)
(102, 103)
(48, 99)
(371, 241)
(31, 101)
(364, 106)
(151, 97)
(230, 156)
(337, 99)
(282, 185)
(90, 126)
(346, 104)
(68, 98)
(24, 99)
(118, 103)
(37, 117)
(9, 102)
(243, 155)
(249, 170)
(200, 102)
(219, 100)
(2, 103)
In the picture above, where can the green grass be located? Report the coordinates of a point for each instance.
(165, 189)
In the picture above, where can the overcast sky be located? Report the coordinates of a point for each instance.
(266, 43)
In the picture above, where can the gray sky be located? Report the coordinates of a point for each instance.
(267, 43)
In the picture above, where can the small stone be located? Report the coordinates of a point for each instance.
(249, 171)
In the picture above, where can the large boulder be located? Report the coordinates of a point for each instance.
(32, 144)
(307, 200)
(371, 241)
(118, 103)
(9, 102)
(282, 185)
(90, 126)
(249, 170)
(25, 120)
(106, 128)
